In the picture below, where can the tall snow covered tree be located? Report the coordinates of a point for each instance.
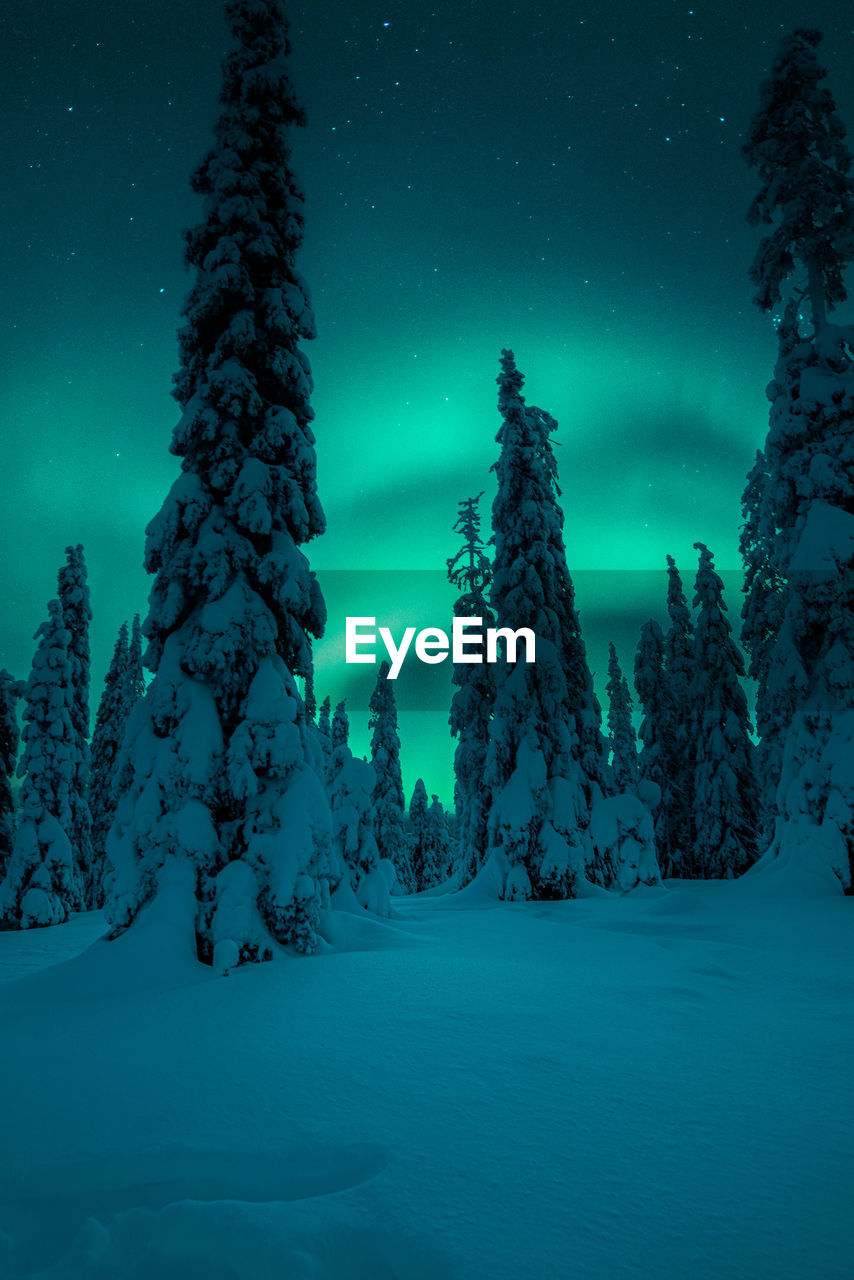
(679, 666)
(471, 705)
(725, 789)
(10, 691)
(388, 801)
(73, 591)
(42, 884)
(624, 751)
(796, 142)
(800, 504)
(656, 765)
(540, 792)
(123, 687)
(324, 732)
(224, 811)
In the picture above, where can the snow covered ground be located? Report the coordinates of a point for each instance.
(656, 1085)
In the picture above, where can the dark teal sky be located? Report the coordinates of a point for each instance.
(562, 178)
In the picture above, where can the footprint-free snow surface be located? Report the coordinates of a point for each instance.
(656, 1085)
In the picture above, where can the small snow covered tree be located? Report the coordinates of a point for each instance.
(10, 691)
(439, 843)
(679, 668)
(725, 789)
(624, 751)
(42, 885)
(388, 801)
(351, 783)
(656, 765)
(123, 687)
(799, 535)
(471, 705)
(427, 850)
(73, 590)
(535, 767)
(224, 811)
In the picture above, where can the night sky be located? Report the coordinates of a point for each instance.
(562, 178)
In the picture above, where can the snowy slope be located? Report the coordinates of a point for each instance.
(655, 1085)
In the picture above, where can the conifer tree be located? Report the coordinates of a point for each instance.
(656, 765)
(799, 532)
(122, 691)
(421, 851)
(73, 590)
(796, 142)
(540, 794)
(471, 706)
(439, 843)
(624, 752)
(10, 691)
(679, 666)
(388, 801)
(725, 790)
(224, 811)
(42, 885)
(351, 783)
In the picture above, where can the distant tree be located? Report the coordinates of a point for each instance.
(224, 810)
(656, 764)
(351, 783)
(428, 840)
(540, 793)
(77, 614)
(799, 530)
(439, 843)
(388, 801)
(42, 885)
(471, 706)
(725, 789)
(624, 752)
(679, 667)
(796, 142)
(10, 691)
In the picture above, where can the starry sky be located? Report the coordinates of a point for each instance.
(562, 178)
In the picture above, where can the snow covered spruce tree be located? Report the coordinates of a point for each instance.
(471, 705)
(624, 752)
(224, 812)
(324, 732)
(439, 843)
(10, 691)
(388, 801)
(422, 871)
(679, 667)
(123, 687)
(656, 765)
(350, 785)
(725, 789)
(541, 795)
(799, 609)
(73, 590)
(42, 884)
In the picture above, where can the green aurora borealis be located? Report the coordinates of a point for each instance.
(561, 178)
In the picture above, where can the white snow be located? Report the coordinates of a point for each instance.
(654, 1085)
